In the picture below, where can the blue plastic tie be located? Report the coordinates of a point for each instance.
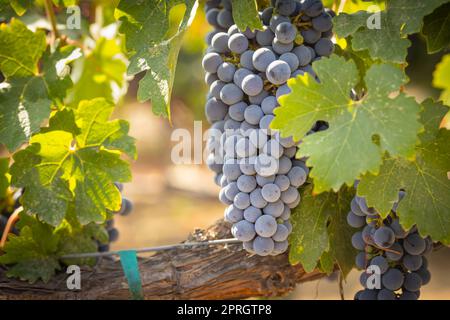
(130, 266)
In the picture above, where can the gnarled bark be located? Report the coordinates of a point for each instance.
(214, 272)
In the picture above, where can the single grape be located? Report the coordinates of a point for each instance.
(252, 213)
(355, 221)
(262, 181)
(246, 183)
(285, 165)
(210, 78)
(289, 195)
(264, 37)
(113, 235)
(281, 91)
(313, 8)
(211, 17)
(274, 209)
(256, 199)
(223, 198)
(381, 262)
(285, 7)
(236, 111)
(278, 72)
(220, 42)
(246, 60)
(266, 165)
(262, 58)
(361, 260)
(231, 94)
(323, 22)
(285, 32)
(385, 294)
(231, 170)
(414, 244)
(271, 192)
(265, 122)
(211, 62)
(384, 237)
(297, 176)
(238, 43)
(239, 76)
(291, 59)
(395, 252)
(242, 200)
(243, 230)
(252, 84)
(324, 47)
(226, 71)
(280, 247)
(273, 148)
(263, 246)
(281, 48)
(424, 274)
(276, 20)
(310, 36)
(357, 241)
(247, 165)
(269, 104)
(266, 15)
(412, 263)
(266, 226)
(286, 213)
(253, 114)
(392, 279)
(400, 233)
(225, 18)
(244, 148)
(413, 282)
(215, 110)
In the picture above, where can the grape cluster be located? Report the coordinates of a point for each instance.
(399, 254)
(113, 233)
(247, 73)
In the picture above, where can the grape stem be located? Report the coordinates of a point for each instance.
(51, 16)
(13, 218)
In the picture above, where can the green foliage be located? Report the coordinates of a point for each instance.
(320, 231)
(102, 73)
(4, 181)
(436, 29)
(425, 181)
(245, 14)
(441, 79)
(388, 42)
(145, 26)
(64, 167)
(34, 254)
(353, 123)
(28, 93)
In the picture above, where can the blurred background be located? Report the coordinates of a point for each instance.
(172, 200)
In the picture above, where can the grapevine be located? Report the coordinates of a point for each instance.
(324, 156)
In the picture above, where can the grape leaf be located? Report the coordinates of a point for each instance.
(347, 149)
(436, 29)
(4, 181)
(320, 228)
(34, 254)
(32, 251)
(62, 168)
(102, 73)
(28, 93)
(441, 79)
(145, 26)
(245, 14)
(20, 49)
(425, 181)
(388, 42)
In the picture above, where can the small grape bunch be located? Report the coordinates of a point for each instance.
(398, 254)
(113, 233)
(247, 73)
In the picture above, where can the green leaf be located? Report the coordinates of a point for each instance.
(388, 42)
(78, 168)
(441, 79)
(20, 49)
(32, 253)
(425, 181)
(364, 129)
(4, 181)
(145, 26)
(65, 3)
(21, 6)
(436, 29)
(36, 252)
(103, 73)
(245, 14)
(25, 102)
(320, 231)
